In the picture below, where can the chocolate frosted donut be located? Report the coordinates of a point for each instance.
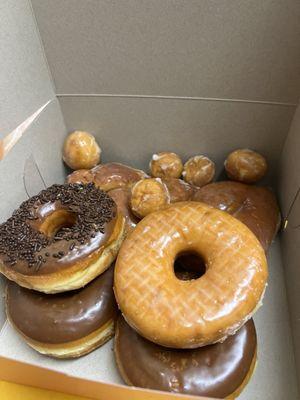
(68, 324)
(255, 206)
(108, 176)
(179, 190)
(61, 239)
(81, 176)
(121, 197)
(114, 175)
(218, 370)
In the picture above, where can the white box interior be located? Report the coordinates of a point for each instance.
(181, 112)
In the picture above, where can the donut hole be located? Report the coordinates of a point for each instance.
(189, 265)
(56, 221)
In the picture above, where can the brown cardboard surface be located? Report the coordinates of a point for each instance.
(25, 84)
(131, 130)
(289, 186)
(229, 49)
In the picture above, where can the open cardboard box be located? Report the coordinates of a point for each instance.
(145, 76)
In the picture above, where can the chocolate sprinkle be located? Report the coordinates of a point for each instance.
(20, 241)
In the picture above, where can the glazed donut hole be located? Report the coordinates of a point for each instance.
(245, 165)
(166, 165)
(81, 151)
(147, 196)
(198, 171)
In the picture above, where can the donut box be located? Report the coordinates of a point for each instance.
(189, 77)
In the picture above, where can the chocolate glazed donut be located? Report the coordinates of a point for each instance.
(255, 206)
(121, 196)
(64, 325)
(221, 370)
(108, 176)
(61, 239)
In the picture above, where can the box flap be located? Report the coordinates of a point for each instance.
(24, 80)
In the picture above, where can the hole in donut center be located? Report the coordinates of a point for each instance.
(56, 221)
(189, 265)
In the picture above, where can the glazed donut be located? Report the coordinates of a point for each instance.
(108, 176)
(165, 165)
(179, 190)
(246, 166)
(61, 239)
(198, 171)
(121, 197)
(194, 313)
(220, 371)
(64, 325)
(255, 206)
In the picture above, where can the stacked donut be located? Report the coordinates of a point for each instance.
(57, 250)
(191, 335)
(189, 275)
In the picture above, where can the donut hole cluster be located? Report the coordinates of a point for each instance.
(170, 179)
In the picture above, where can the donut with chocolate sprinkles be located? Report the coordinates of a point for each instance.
(61, 238)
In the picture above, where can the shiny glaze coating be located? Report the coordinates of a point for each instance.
(216, 371)
(78, 253)
(165, 165)
(255, 206)
(178, 189)
(147, 196)
(63, 317)
(80, 176)
(199, 171)
(108, 176)
(121, 197)
(194, 313)
(246, 166)
(81, 150)
(114, 175)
